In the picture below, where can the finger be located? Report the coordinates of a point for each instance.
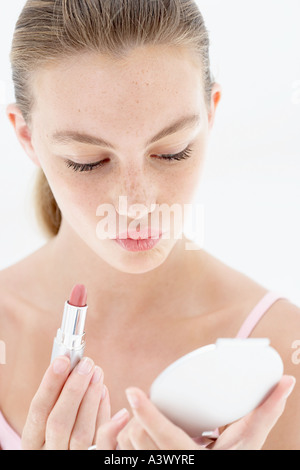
(135, 437)
(33, 436)
(62, 418)
(263, 419)
(160, 429)
(84, 429)
(251, 432)
(141, 440)
(107, 433)
(104, 411)
(123, 440)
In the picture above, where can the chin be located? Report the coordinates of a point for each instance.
(137, 262)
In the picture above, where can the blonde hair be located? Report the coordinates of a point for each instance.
(50, 30)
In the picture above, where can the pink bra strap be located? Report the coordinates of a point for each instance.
(257, 313)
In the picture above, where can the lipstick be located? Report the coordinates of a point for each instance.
(70, 337)
(142, 240)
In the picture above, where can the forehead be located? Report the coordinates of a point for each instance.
(147, 88)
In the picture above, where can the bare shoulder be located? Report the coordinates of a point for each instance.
(16, 284)
(12, 280)
(4, 311)
(228, 287)
(8, 323)
(8, 285)
(17, 280)
(281, 324)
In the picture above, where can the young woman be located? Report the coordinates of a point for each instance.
(115, 98)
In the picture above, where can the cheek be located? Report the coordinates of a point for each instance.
(80, 197)
(77, 195)
(75, 192)
(183, 184)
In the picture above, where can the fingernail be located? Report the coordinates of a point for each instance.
(132, 399)
(97, 375)
(120, 414)
(60, 365)
(85, 366)
(103, 392)
(291, 388)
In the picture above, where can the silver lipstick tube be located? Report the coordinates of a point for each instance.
(70, 338)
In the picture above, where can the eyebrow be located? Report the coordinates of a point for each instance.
(67, 137)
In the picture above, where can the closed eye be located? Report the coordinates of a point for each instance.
(178, 156)
(84, 167)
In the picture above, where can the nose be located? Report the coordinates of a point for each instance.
(135, 198)
(134, 211)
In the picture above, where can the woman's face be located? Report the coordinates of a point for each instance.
(89, 109)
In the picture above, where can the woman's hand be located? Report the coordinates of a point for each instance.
(68, 408)
(151, 430)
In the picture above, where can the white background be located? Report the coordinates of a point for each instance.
(251, 183)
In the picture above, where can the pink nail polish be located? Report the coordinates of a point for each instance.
(85, 366)
(132, 399)
(97, 375)
(103, 392)
(60, 365)
(291, 388)
(120, 414)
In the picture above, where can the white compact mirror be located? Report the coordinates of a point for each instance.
(217, 384)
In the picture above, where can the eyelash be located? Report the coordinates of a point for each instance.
(82, 167)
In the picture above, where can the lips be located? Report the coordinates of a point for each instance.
(143, 240)
(143, 234)
(138, 245)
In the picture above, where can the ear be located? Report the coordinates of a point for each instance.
(215, 99)
(22, 131)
